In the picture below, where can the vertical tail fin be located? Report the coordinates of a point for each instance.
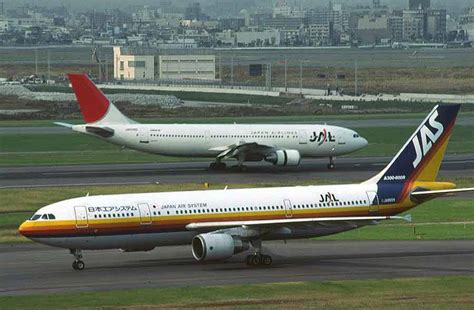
(95, 107)
(420, 158)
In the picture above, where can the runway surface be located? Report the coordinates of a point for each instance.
(37, 269)
(461, 121)
(348, 169)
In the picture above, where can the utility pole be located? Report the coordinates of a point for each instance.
(286, 75)
(36, 61)
(356, 91)
(220, 67)
(49, 65)
(301, 77)
(269, 76)
(232, 69)
(106, 68)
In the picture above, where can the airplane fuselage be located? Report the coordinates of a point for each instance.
(210, 140)
(144, 221)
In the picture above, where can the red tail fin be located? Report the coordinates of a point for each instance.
(93, 103)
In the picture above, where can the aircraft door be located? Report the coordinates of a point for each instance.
(144, 134)
(373, 202)
(288, 208)
(340, 139)
(303, 137)
(145, 214)
(81, 217)
(207, 135)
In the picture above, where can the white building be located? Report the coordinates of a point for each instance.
(202, 67)
(319, 33)
(3, 26)
(133, 67)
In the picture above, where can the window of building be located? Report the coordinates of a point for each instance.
(136, 64)
(122, 65)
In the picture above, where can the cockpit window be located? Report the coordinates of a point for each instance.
(355, 135)
(51, 216)
(35, 217)
(44, 217)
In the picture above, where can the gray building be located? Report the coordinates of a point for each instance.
(436, 25)
(284, 22)
(395, 27)
(418, 4)
(414, 25)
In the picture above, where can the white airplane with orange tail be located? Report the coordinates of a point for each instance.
(282, 145)
(221, 223)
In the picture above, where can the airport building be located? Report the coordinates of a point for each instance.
(190, 67)
(133, 67)
(157, 64)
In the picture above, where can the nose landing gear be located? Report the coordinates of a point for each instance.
(331, 164)
(77, 264)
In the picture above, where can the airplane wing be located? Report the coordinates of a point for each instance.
(235, 150)
(291, 221)
(426, 195)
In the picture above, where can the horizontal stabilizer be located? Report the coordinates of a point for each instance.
(282, 222)
(104, 132)
(64, 124)
(425, 195)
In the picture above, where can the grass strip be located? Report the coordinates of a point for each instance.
(450, 292)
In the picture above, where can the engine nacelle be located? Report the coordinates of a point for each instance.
(209, 247)
(284, 158)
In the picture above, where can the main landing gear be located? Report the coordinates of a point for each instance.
(78, 264)
(218, 165)
(258, 259)
(331, 163)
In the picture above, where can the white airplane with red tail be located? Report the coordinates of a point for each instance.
(279, 144)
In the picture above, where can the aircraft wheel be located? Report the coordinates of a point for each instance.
(267, 260)
(331, 166)
(256, 260)
(249, 260)
(78, 265)
(217, 166)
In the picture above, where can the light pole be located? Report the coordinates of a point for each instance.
(356, 92)
(301, 77)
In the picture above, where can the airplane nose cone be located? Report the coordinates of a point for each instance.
(26, 228)
(363, 142)
(22, 229)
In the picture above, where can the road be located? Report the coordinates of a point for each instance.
(348, 169)
(37, 269)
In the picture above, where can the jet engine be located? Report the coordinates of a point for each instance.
(284, 158)
(211, 247)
